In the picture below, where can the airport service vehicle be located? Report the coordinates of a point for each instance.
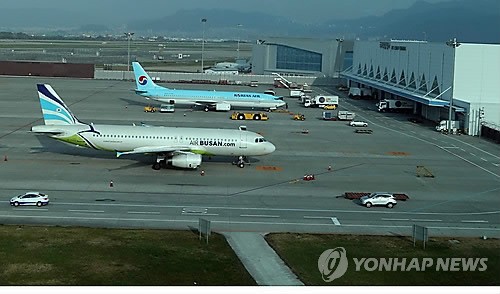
(358, 124)
(149, 108)
(328, 115)
(180, 147)
(296, 93)
(345, 115)
(30, 198)
(217, 100)
(249, 115)
(322, 101)
(395, 105)
(330, 107)
(444, 124)
(304, 98)
(378, 198)
(167, 108)
(356, 93)
(342, 88)
(218, 107)
(298, 116)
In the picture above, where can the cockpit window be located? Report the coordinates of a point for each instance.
(260, 140)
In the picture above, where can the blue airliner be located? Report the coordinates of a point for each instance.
(218, 100)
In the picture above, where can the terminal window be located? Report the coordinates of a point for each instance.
(297, 59)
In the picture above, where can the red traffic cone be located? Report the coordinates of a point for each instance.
(111, 184)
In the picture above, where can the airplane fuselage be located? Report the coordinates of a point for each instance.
(126, 138)
(195, 97)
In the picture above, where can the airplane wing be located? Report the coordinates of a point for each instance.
(161, 149)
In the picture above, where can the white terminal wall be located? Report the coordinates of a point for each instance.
(471, 73)
(477, 81)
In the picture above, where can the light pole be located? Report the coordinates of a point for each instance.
(129, 36)
(203, 21)
(238, 50)
(454, 44)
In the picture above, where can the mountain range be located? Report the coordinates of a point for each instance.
(467, 20)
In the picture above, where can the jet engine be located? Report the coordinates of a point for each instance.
(185, 160)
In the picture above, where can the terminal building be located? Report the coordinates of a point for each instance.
(302, 56)
(433, 75)
(430, 74)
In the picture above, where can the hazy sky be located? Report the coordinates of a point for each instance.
(307, 11)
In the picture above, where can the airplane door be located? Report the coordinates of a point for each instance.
(243, 139)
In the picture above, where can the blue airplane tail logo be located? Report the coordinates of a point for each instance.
(143, 81)
(54, 111)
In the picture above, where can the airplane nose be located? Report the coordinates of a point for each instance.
(270, 148)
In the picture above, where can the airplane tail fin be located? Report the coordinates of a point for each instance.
(54, 111)
(143, 81)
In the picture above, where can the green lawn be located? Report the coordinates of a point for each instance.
(301, 253)
(90, 256)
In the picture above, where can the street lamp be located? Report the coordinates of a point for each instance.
(203, 21)
(454, 44)
(129, 36)
(238, 50)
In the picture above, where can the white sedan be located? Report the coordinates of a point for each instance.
(378, 198)
(30, 198)
(358, 124)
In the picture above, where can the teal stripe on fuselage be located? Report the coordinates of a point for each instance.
(207, 95)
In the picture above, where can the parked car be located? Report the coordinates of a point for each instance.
(358, 124)
(30, 198)
(379, 198)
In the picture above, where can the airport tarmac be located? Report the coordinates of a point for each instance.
(267, 196)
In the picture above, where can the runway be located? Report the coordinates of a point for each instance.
(267, 196)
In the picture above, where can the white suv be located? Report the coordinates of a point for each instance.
(379, 198)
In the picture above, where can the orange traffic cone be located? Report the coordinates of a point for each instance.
(111, 184)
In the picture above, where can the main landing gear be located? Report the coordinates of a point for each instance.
(241, 161)
(161, 162)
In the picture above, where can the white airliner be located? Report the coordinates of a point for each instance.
(208, 99)
(174, 146)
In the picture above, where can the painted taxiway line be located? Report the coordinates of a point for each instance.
(474, 221)
(232, 222)
(143, 212)
(426, 220)
(395, 219)
(86, 211)
(335, 221)
(259, 215)
(332, 211)
(200, 213)
(318, 217)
